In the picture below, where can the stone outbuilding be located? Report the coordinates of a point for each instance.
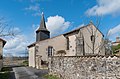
(2, 43)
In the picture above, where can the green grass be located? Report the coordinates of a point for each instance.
(4, 75)
(50, 77)
(5, 72)
(25, 63)
(114, 48)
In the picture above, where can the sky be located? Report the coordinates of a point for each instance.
(60, 15)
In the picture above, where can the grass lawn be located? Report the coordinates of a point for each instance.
(5, 72)
(4, 75)
(25, 63)
(50, 77)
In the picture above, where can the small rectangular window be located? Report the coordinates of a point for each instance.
(50, 51)
(67, 43)
(92, 38)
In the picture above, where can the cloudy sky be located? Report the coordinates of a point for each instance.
(60, 15)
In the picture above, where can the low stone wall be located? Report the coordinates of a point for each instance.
(1, 64)
(85, 67)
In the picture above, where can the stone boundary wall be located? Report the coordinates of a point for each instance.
(1, 64)
(93, 67)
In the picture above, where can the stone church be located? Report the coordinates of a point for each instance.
(83, 41)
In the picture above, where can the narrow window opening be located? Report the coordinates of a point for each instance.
(67, 43)
(50, 51)
(92, 38)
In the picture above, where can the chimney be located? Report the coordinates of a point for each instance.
(117, 39)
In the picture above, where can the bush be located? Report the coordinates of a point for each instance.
(116, 49)
(4, 69)
(25, 63)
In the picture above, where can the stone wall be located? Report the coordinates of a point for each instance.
(1, 54)
(1, 64)
(95, 67)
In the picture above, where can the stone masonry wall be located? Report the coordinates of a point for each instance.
(1, 64)
(85, 67)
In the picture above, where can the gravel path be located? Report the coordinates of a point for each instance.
(28, 73)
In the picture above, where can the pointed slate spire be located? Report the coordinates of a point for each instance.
(42, 33)
(42, 24)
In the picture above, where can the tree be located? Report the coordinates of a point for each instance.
(105, 42)
(116, 49)
(6, 29)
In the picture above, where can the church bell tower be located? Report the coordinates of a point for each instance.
(42, 33)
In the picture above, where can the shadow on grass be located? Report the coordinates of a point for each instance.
(7, 73)
(4, 75)
(50, 77)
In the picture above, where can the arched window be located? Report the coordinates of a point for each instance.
(50, 51)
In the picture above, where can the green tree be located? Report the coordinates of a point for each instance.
(115, 49)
